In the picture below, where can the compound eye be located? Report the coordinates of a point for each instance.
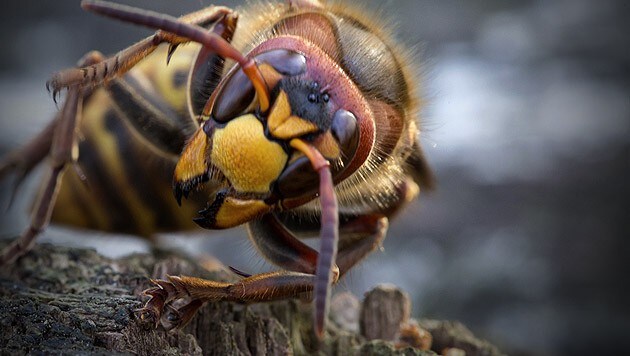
(299, 179)
(238, 93)
(235, 97)
(284, 61)
(344, 129)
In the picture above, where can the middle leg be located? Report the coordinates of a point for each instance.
(191, 293)
(281, 247)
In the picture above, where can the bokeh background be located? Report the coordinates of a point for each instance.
(528, 129)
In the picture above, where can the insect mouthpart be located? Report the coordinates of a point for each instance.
(192, 169)
(183, 189)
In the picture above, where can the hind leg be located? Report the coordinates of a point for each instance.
(57, 142)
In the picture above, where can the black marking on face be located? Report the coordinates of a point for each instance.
(207, 218)
(308, 101)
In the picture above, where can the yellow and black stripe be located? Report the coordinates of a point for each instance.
(128, 155)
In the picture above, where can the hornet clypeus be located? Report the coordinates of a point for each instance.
(297, 118)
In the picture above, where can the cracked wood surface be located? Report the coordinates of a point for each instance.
(60, 300)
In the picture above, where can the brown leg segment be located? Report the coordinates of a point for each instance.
(57, 141)
(22, 161)
(60, 154)
(368, 232)
(176, 31)
(360, 236)
(194, 292)
(107, 69)
(280, 246)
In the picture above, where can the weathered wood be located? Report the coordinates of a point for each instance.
(59, 300)
(385, 310)
(454, 335)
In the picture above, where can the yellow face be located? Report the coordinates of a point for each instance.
(248, 159)
(242, 152)
(248, 154)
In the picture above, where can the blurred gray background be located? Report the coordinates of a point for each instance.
(528, 129)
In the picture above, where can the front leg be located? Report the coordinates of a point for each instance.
(94, 74)
(175, 301)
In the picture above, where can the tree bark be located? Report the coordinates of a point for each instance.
(59, 300)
